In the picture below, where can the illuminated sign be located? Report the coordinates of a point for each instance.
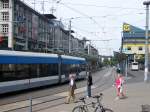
(126, 27)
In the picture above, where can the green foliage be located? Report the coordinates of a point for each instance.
(106, 62)
(119, 57)
(113, 61)
(141, 60)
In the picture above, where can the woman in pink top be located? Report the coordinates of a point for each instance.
(119, 85)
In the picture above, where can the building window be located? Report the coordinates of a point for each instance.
(140, 48)
(5, 16)
(128, 48)
(5, 4)
(5, 28)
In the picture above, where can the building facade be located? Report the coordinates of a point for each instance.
(133, 42)
(24, 29)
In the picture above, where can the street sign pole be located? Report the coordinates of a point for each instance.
(147, 3)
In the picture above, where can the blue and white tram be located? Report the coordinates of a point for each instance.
(23, 70)
(77, 63)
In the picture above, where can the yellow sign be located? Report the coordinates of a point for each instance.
(126, 27)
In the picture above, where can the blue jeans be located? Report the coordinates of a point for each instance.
(89, 91)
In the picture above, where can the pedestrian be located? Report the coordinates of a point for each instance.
(72, 87)
(119, 85)
(89, 83)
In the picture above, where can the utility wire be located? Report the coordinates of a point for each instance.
(105, 16)
(92, 33)
(75, 10)
(90, 5)
(81, 17)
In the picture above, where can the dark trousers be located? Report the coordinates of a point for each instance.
(89, 91)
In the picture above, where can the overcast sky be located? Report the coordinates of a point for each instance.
(96, 19)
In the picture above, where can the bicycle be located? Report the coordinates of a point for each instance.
(85, 107)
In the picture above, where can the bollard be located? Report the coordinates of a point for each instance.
(126, 74)
(30, 104)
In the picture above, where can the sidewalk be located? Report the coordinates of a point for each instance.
(138, 94)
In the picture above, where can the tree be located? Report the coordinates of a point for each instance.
(119, 56)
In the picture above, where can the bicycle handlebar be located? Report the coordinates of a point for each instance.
(82, 99)
(98, 96)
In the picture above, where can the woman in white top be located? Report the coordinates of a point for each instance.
(72, 87)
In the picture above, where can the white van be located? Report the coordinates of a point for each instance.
(134, 66)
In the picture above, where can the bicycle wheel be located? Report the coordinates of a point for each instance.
(78, 109)
(103, 110)
(107, 110)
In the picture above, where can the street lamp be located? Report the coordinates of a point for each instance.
(147, 3)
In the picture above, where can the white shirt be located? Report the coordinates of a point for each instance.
(71, 82)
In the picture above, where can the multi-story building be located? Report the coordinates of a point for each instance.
(65, 41)
(22, 28)
(5, 16)
(81, 47)
(91, 50)
(75, 44)
(94, 51)
(133, 41)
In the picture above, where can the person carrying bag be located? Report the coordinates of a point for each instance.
(72, 87)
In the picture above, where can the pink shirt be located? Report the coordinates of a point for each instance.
(119, 82)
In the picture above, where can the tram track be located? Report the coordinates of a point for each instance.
(43, 102)
(46, 95)
(52, 100)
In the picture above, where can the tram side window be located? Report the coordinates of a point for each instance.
(10, 72)
(48, 70)
(53, 69)
(65, 69)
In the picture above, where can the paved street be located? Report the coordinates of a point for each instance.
(99, 79)
(136, 90)
(48, 48)
(137, 95)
